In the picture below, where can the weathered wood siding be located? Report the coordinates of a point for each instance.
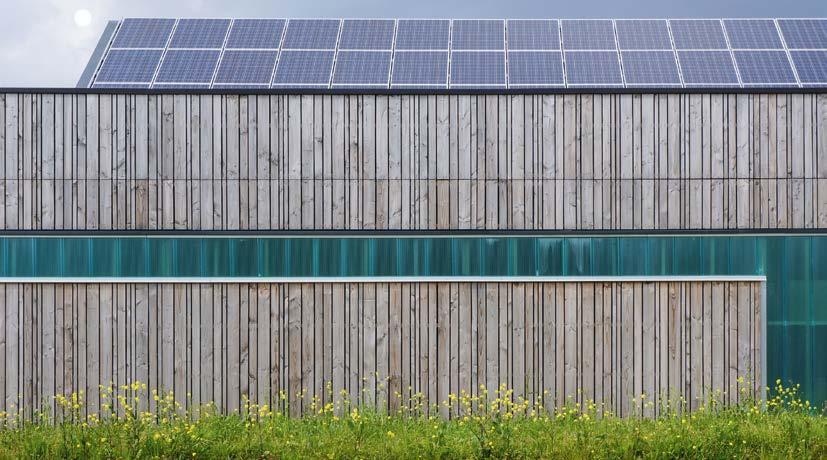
(222, 342)
(97, 161)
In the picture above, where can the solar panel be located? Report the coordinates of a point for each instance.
(304, 68)
(650, 68)
(535, 68)
(367, 34)
(363, 68)
(478, 68)
(698, 34)
(129, 66)
(200, 33)
(256, 33)
(708, 68)
(591, 34)
(188, 66)
(483, 34)
(531, 34)
(143, 33)
(811, 66)
(420, 68)
(804, 33)
(181, 85)
(643, 35)
(596, 68)
(765, 67)
(246, 66)
(311, 34)
(422, 34)
(752, 34)
(121, 85)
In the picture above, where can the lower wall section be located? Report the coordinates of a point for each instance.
(607, 342)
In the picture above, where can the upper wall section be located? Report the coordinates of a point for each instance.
(549, 162)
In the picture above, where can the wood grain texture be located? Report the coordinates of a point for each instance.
(550, 342)
(586, 161)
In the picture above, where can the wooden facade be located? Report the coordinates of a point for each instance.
(551, 342)
(581, 161)
(398, 162)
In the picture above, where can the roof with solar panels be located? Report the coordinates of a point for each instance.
(464, 54)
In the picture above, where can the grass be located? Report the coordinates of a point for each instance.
(481, 427)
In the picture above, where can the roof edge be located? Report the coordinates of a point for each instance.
(415, 92)
(85, 80)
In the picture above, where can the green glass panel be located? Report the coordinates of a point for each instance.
(550, 256)
(465, 256)
(438, 254)
(743, 256)
(329, 257)
(687, 257)
(161, 253)
(384, 253)
(76, 257)
(522, 257)
(19, 260)
(103, 256)
(216, 257)
(715, 254)
(300, 257)
(661, 252)
(494, 253)
(48, 257)
(577, 256)
(188, 257)
(634, 254)
(245, 257)
(132, 261)
(604, 259)
(273, 257)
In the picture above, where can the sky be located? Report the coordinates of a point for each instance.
(46, 43)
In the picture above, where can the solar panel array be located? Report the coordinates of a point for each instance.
(467, 53)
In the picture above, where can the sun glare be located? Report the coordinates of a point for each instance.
(83, 18)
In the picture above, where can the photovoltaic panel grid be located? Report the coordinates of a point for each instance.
(752, 34)
(763, 67)
(422, 34)
(367, 34)
(651, 34)
(588, 34)
(535, 68)
(362, 68)
(188, 66)
(256, 34)
(420, 68)
(478, 34)
(593, 68)
(650, 68)
(129, 66)
(533, 34)
(811, 66)
(304, 68)
(319, 34)
(246, 66)
(478, 68)
(804, 33)
(143, 33)
(698, 34)
(467, 53)
(707, 68)
(200, 33)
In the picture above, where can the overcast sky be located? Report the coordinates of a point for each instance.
(43, 45)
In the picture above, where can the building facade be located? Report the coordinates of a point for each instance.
(585, 246)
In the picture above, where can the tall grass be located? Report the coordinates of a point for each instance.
(483, 426)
